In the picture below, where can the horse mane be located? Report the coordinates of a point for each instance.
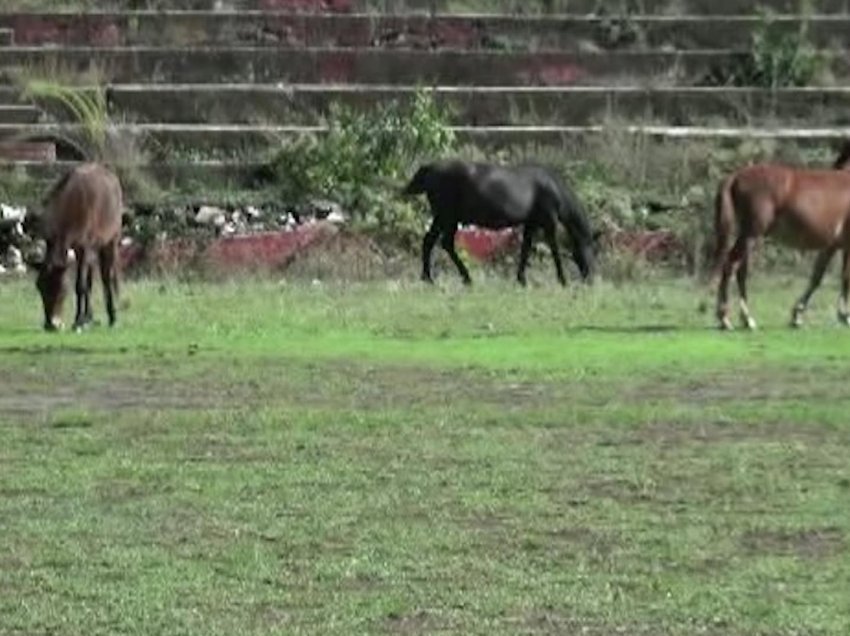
(572, 210)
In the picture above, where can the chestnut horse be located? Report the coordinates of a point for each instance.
(805, 209)
(82, 212)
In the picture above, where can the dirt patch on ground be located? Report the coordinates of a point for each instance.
(808, 543)
(420, 622)
(160, 382)
(116, 395)
(743, 384)
(677, 433)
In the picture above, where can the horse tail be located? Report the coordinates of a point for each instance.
(724, 225)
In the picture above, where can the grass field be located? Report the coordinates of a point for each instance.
(252, 458)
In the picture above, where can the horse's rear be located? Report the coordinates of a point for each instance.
(82, 213)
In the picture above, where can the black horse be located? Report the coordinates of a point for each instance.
(495, 197)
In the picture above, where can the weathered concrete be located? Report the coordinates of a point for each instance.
(579, 7)
(180, 28)
(236, 174)
(264, 65)
(18, 114)
(487, 106)
(35, 151)
(7, 37)
(247, 140)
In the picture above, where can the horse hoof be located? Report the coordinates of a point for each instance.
(748, 323)
(726, 325)
(844, 319)
(54, 325)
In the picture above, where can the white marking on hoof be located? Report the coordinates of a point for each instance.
(844, 319)
(726, 324)
(748, 323)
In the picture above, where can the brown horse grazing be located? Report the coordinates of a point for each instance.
(82, 212)
(806, 209)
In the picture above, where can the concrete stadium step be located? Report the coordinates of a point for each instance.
(480, 106)
(19, 114)
(359, 66)
(578, 7)
(247, 140)
(27, 151)
(468, 32)
(225, 173)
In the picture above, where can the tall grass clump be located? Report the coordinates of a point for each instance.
(96, 133)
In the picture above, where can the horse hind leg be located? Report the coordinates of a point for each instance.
(524, 252)
(843, 312)
(108, 257)
(802, 304)
(729, 266)
(550, 233)
(747, 319)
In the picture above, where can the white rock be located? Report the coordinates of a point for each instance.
(336, 217)
(9, 212)
(210, 215)
(14, 258)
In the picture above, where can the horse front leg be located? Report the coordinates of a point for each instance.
(81, 288)
(550, 232)
(802, 304)
(524, 252)
(428, 243)
(448, 243)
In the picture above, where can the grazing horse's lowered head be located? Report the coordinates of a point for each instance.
(495, 197)
(82, 212)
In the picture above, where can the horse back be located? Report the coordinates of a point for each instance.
(85, 208)
(803, 207)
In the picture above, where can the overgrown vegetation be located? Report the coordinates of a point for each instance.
(363, 161)
(80, 100)
(778, 57)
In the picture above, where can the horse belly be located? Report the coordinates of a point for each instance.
(798, 232)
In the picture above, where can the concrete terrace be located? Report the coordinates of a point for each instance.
(218, 78)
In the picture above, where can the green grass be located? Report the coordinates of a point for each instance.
(252, 457)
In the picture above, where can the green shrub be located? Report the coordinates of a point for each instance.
(363, 160)
(777, 57)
